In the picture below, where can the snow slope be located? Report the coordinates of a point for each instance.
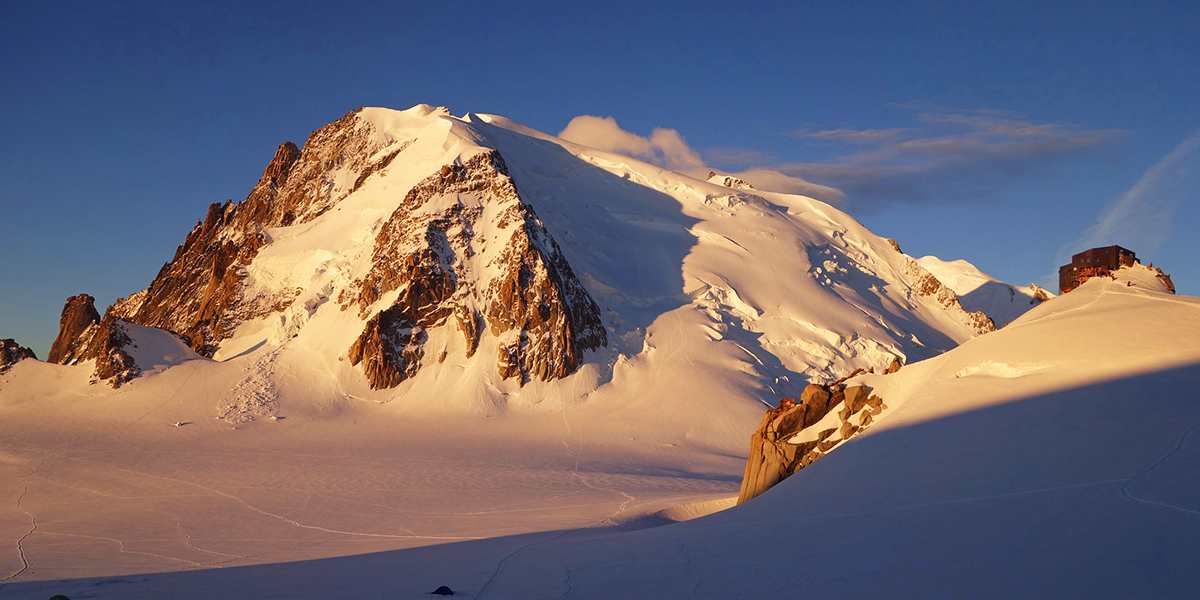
(1054, 458)
(976, 290)
(715, 301)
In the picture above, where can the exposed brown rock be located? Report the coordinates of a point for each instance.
(78, 316)
(895, 245)
(84, 336)
(729, 182)
(1163, 277)
(1039, 295)
(531, 299)
(773, 457)
(107, 347)
(856, 397)
(200, 295)
(12, 353)
(923, 283)
(894, 367)
(390, 347)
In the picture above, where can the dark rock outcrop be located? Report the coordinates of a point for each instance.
(1163, 277)
(78, 316)
(795, 434)
(84, 336)
(527, 296)
(390, 347)
(729, 181)
(107, 346)
(12, 353)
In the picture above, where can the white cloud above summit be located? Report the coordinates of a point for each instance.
(668, 148)
(664, 147)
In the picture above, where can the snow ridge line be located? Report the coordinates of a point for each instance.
(121, 547)
(32, 517)
(1125, 491)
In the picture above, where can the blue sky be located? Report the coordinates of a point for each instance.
(996, 133)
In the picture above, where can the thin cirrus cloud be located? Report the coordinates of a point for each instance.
(667, 148)
(948, 156)
(1142, 217)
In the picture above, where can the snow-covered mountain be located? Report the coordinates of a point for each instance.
(398, 246)
(422, 328)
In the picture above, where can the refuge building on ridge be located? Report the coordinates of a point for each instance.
(1090, 263)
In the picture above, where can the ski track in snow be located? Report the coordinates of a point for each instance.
(608, 519)
(164, 402)
(186, 537)
(1125, 489)
(33, 526)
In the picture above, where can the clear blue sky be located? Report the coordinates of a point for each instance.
(994, 132)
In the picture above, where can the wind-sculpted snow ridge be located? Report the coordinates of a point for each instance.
(977, 291)
(527, 295)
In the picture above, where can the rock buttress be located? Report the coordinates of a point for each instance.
(485, 259)
(795, 434)
(107, 346)
(12, 353)
(78, 316)
(200, 294)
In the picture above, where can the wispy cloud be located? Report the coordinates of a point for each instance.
(1141, 218)
(667, 148)
(853, 135)
(946, 156)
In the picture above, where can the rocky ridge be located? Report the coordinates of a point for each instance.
(84, 336)
(1163, 277)
(444, 266)
(201, 293)
(728, 181)
(925, 284)
(12, 353)
(795, 434)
